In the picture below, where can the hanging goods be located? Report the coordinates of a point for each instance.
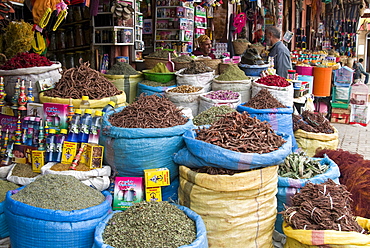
(239, 22)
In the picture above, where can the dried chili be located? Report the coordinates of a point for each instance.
(26, 60)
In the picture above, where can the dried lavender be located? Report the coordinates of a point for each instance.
(150, 224)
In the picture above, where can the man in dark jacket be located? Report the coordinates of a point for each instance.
(280, 53)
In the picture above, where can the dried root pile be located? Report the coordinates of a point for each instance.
(323, 206)
(149, 112)
(83, 81)
(241, 133)
(312, 122)
(264, 100)
(216, 171)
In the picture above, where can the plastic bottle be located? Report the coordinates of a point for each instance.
(50, 146)
(110, 106)
(57, 155)
(85, 125)
(85, 104)
(73, 126)
(95, 127)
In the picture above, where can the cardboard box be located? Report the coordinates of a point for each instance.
(55, 114)
(69, 152)
(341, 111)
(93, 156)
(153, 194)
(340, 118)
(127, 191)
(157, 177)
(23, 154)
(38, 160)
(35, 109)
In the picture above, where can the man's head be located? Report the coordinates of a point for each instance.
(205, 44)
(361, 60)
(272, 35)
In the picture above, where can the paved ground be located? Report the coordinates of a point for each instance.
(354, 138)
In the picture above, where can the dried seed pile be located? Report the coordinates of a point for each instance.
(83, 81)
(264, 100)
(324, 206)
(59, 192)
(24, 170)
(65, 167)
(5, 186)
(162, 54)
(149, 112)
(185, 89)
(298, 165)
(211, 115)
(158, 84)
(150, 224)
(121, 68)
(241, 133)
(216, 171)
(196, 68)
(312, 122)
(232, 73)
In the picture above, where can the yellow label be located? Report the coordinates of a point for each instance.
(38, 160)
(153, 194)
(69, 152)
(157, 177)
(93, 155)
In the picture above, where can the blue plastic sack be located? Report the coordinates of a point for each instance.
(200, 241)
(35, 227)
(170, 192)
(132, 150)
(4, 232)
(288, 187)
(280, 119)
(198, 153)
(151, 90)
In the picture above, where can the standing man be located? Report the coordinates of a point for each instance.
(280, 53)
(361, 69)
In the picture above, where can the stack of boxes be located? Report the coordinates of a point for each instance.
(360, 113)
(340, 112)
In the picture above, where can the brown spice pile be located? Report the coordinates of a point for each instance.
(197, 68)
(312, 122)
(149, 112)
(83, 81)
(264, 100)
(65, 167)
(323, 206)
(241, 133)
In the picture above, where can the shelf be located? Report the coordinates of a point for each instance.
(70, 49)
(113, 27)
(75, 23)
(113, 44)
(173, 41)
(168, 29)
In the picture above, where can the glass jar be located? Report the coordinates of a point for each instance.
(62, 59)
(70, 38)
(61, 39)
(53, 42)
(70, 61)
(79, 56)
(87, 56)
(79, 37)
(69, 17)
(87, 35)
(77, 16)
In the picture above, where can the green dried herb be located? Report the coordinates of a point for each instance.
(232, 73)
(212, 115)
(121, 68)
(5, 186)
(150, 224)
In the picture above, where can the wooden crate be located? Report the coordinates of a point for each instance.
(340, 118)
(341, 111)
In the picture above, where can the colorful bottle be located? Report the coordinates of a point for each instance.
(41, 137)
(30, 120)
(22, 98)
(30, 97)
(71, 111)
(57, 156)
(16, 95)
(85, 104)
(50, 146)
(85, 125)
(77, 158)
(2, 92)
(73, 126)
(8, 155)
(5, 145)
(18, 132)
(95, 127)
(110, 106)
